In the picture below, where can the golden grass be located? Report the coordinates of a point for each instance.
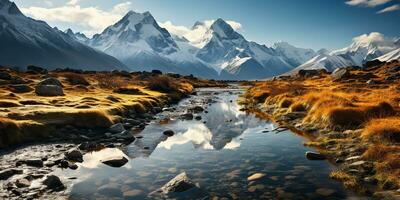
(348, 180)
(385, 130)
(88, 101)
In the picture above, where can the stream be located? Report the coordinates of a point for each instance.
(218, 153)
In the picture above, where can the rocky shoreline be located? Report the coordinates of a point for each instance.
(287, 101)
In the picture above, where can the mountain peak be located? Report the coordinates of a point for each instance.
(134, 18)
(8, 7)
(223, 30)
(197, 23)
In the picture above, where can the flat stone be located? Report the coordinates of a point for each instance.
(34, 162)
(255, 176)
(115, 161)
(180, 183)
(314, 156)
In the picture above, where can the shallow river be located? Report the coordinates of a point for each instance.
(218, 153)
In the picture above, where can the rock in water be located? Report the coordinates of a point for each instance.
(180, 183)
(53, 183)
(74, 155)
(255, 176)
(169, 133)
(180, 187)
(115, 161)
(314, 156)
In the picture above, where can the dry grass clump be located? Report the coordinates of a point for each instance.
(130, 91)
(8, 104)
(76, 79)
(383, 130)
(348, 180)
(380, 151)
(162, 84)
(14, 132)
(107, 81)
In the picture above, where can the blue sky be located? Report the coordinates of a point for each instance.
(305, 23)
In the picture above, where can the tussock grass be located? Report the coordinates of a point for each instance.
(14, 132)
(76, 79)
(162, 84)
(385, 130)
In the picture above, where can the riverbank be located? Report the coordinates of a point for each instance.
(351, 116)
(49, 120)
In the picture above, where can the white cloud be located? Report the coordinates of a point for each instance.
(367, 3)
(373, 37)
(92, 19)
(389, 9)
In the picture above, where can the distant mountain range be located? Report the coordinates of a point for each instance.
(138, 43)
(363, 48)
(25, 41)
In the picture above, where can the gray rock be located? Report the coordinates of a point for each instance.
(7, 173)
(74, 155)
(125, 135)
(117, 128)
(22, 183)
(198, 118)
(72, 166)
(5, 76)
(180, 183)
(198, 109)
(53, 182)
(134, 122)
(168, 133)
(314, 156)
(21, 88)
(49, 90)
(34, 162)
(187, 116)
(115, 161)
(180, 187)
(51, 81)
(340, 74)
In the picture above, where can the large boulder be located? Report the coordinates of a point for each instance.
(118, 161)
(49, 87)
(51, 81)
(49, 90)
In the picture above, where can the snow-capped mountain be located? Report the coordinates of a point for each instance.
(364, 48)
(44, 46)
(393, 55)
(235, 57)
(139, 42)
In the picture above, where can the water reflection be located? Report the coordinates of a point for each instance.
(217, 155)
